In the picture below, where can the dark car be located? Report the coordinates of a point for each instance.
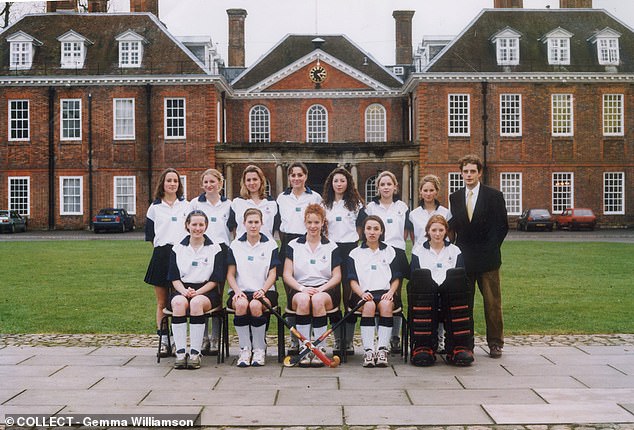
(576, 218)
(11, 221)
(113, 219)
(535, 219)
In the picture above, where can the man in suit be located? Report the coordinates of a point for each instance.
(478, 220)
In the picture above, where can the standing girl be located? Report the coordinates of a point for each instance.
(196, 268)
(429, 205)
(343, 204)
(217, 208)
(395, 216)
(374, 274)
(312, 272)
(252, 270)
(164, 227)
(253, 195)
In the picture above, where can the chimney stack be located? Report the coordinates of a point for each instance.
(98, 6)
(404, 54)
(236, 37)
(575, 4)
(508, 4)
(144, 6)
(66, 5)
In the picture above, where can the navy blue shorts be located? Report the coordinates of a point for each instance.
(213, 295)
(270, 294)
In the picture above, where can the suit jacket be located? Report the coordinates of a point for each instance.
(480, 239)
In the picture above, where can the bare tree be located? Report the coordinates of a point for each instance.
(10, 11)
(6, 10)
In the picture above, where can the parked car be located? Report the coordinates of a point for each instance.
(11, 221)
(113, 219)
(576, 218)
(535, 219)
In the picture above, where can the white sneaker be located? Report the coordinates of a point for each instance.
(245, 358)
(258, 358)
(181, 361)
(316, 361)
(381, 358)
(441, 344)
(368, 358)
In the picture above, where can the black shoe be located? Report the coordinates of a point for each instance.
(495, 351)
(460, 357)
(423, 356)
(292, 350)
(395, 345)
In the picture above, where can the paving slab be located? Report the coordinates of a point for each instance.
(19, 370)
(272, 416)
(572, 370)
(598, 381)
(473, 397)
(112, 371)
(302, 397)
(398, 382)
(130, 410)
(608, 349)
(40, 397)
(609, 359)
(125, 350)
(45, 383)
(415, 415)
(629, 407)
(82, 360)
(440, 369)
(498, 382)
(268, 383)
(587, 395)
(9, 393)
(49, 410)
(559, 413)
(153, 383)
(48, 350)
(510, 350)
(194, 396)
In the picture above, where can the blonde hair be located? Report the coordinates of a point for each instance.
(251, 168)
(432, 179)
(389, 174)
(215, 173)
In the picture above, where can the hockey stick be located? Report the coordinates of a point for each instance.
(323, 357)
(292, 361)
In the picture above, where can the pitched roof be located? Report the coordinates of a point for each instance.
(162, 54)
(474, 51)
(295, 47)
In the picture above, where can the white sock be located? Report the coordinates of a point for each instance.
(304, 329)
(179, 331)
(196, 333)
(259, 333)
(367, 337)
(244, 336)
(384, 336)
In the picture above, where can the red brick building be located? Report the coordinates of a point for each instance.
(96, 105)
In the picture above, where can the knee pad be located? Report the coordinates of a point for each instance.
(422, 296)
(458, 320)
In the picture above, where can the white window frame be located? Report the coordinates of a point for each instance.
(613, 115)
(26, 199)
(614, 193)
(119, 123)
(63, 195)
(562, 191)
(130, 53)
(317, 124)
(64, 123)
(508, 51)
(511, 187)
(130, 208)
(455, 181)
(559, 51)
(608, 51)
(21, 55)
(73, 53)
(13, 121)
(371, 189)
(259, 124)
(181, 129)
(562, 115)
(510, 115)
(375, 123)
(459, 115)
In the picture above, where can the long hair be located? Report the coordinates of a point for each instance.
(351, 196)
(244, 193)
(159, 190)
(390, 175)
(433, 179)
(316, 209)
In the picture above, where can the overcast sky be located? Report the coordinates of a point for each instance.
(369, 23)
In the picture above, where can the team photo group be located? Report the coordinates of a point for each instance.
(341, 261)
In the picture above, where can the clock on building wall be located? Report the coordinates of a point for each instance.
(317, 74)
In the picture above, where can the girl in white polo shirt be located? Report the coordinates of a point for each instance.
(196, 268)
(429, 205)
(218, 209)
(164, 227)
(343, 205)
(252, 264)
(312, 271)
(375, 276)
(395, 216)
(253, 195)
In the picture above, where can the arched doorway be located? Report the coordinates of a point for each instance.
(317, 174)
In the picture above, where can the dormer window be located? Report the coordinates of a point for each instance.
(73, 50)
(130, 49)
(607, 42)
(507, 47)
(558, 42)
(21, 50)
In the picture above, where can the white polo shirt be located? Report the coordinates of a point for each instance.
(292, 209)
(197, 266)
(396, 220)
(217, 215)
(313, 269)
(165, 224)
(342, 222)
(253, 262)
(423, 257)
(267, 206)
(373, 270)
(419, 218)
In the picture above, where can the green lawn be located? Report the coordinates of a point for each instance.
(97, 287)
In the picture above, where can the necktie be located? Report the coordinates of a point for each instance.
(470, 204)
